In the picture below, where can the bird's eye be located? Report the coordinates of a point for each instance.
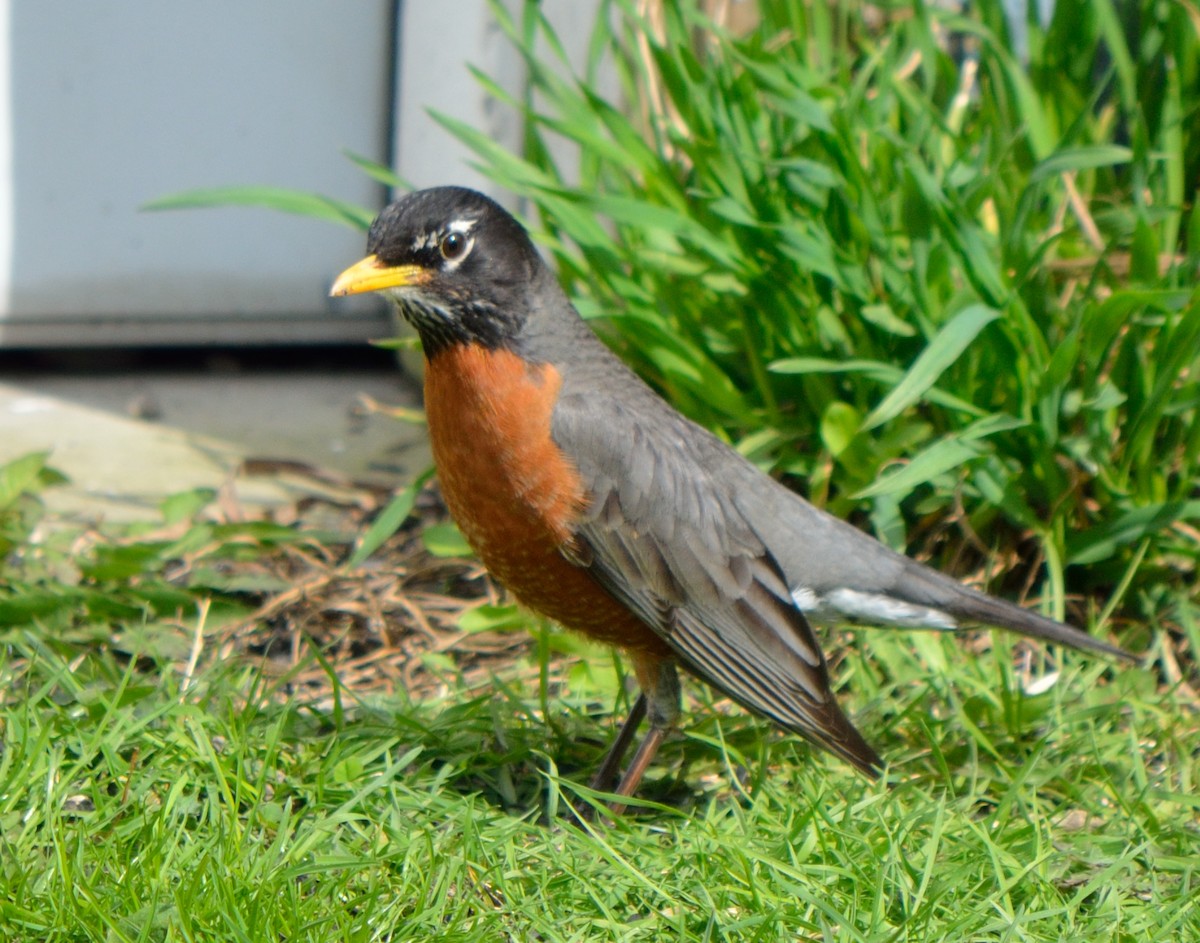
(453, 246)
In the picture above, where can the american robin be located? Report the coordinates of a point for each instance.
(600, 506)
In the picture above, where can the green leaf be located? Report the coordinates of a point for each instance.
(733, 211)
(21, 476)
(1144, 253)
(1079, 159)
(945, 348)
(801, 365)
(882, 316)
(492, 618)
(185, 505)
(839, 425)
(445, 540)
(121, 562)
(38, 604)
(1104, 541)
(377, 171)
(947, 454)
(298, 202)
(388, 521)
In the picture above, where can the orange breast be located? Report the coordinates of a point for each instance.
(513, 492)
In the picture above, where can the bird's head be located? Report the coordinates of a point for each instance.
(458, 266)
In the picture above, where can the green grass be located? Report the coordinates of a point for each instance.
(131, 809)
(142, 799)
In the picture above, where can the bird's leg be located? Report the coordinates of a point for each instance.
(606, 775)
(641, 760)
(660, 689)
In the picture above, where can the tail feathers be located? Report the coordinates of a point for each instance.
(1015, 619)
(970, 605)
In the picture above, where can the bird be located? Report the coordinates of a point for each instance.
(601, 507)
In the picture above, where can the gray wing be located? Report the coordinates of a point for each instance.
(674, 546)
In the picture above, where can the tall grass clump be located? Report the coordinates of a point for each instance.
(939, 287)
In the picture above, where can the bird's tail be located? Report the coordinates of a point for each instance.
(968, 604)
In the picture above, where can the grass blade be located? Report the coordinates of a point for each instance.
(945, 348)
(282, 200)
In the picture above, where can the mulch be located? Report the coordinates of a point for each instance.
(388, 626)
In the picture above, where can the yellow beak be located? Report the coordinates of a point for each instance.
(372, 275)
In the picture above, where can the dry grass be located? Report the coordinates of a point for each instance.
(391, 625)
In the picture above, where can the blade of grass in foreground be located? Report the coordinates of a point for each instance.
(297, 202)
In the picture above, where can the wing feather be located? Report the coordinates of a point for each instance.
(675, 548)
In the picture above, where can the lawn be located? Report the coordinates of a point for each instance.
(208, 734)
(942, 285)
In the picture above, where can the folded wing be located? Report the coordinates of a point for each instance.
(674, 547)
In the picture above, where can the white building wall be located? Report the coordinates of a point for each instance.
(112, 104)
